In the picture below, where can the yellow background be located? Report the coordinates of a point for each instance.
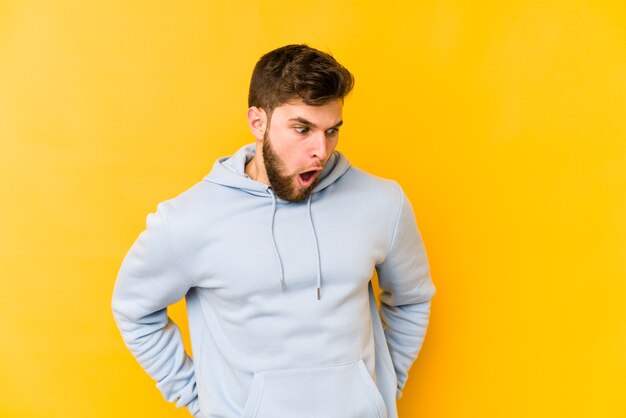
(505, 122)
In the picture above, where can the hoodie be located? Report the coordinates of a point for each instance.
(281, 311)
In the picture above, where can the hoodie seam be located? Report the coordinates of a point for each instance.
(170, 235)
(397, 223)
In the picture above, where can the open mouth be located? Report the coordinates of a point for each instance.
(307, 178)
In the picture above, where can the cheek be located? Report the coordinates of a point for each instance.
(296, 158)
(288, 151)
(331, 145)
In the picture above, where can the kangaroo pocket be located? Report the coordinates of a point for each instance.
(339, 391)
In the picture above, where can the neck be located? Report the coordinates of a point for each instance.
(255, 168)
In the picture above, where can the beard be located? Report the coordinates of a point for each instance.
(284, 186)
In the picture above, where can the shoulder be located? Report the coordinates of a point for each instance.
(189, 209)
(360, 181)
(195, 198)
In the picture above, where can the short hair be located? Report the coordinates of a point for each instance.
(297, 72)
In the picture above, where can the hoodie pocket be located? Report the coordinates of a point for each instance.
(339, 391)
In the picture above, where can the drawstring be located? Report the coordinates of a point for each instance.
(317, 250)
(280, 262)
(317, 247)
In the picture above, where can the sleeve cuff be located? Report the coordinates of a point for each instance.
(194, 408)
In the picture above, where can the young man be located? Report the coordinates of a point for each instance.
(274, 251)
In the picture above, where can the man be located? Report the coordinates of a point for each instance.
(274, 251)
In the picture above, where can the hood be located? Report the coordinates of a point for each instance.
(230, 172)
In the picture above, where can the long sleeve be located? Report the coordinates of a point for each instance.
(151, 278)
(407, 288)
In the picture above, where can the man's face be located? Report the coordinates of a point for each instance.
(297, 144)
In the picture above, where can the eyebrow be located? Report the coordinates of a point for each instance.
(311, 124)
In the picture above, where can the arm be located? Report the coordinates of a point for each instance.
(151, 278)
(404, 278)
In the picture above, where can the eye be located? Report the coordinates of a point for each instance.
(332, 131)
(301, 129)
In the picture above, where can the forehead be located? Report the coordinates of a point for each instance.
(327, 114)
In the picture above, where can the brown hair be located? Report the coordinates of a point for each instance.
(297, 72)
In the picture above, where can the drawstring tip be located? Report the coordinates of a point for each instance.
(282, 285)
(318, 293)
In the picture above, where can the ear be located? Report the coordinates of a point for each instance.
(257, 122)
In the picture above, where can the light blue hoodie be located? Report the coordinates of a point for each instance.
(282, 315)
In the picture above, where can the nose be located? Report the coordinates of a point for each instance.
(318, 148)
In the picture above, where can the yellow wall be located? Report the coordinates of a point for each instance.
(504, 121)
